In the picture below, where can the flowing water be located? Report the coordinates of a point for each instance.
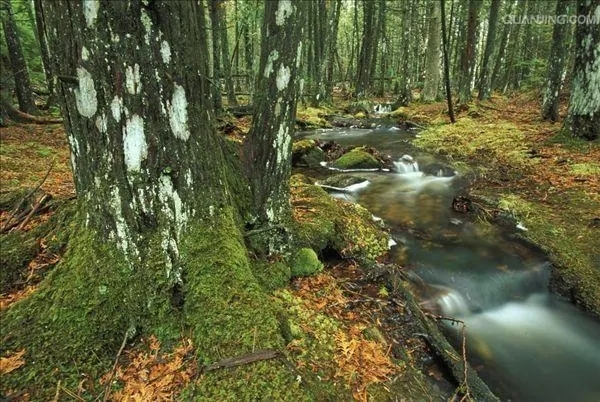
(527, 344)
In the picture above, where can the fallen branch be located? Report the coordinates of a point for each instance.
(45, 198)
(265, 354)
(114, 367)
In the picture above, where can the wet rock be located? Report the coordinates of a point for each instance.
(358, 158)
(307, 153)
(342, 180)
(438, 169)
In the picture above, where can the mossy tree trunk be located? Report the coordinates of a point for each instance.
(583, 120)
(156, 244)
(268, 149)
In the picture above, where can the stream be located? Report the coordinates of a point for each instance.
(527, 344)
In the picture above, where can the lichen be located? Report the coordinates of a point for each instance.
(135, 148)
(85, 93)
(133, 81)
(90, 11)
(284, 10)
(178, 114)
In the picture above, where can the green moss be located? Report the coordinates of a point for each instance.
(271, 275)
(324, 221)
(18, 249)
(568, 240)
(306, 152)
(357, 158)
(306, 263)
(585, 169)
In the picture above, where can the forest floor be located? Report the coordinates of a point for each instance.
(549, 182)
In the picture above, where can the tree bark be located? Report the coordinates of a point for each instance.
(17, 61)
(218, 19)
(364, 73)
(583, 119)
(556, 65)
(432, 73)
(468, 56)
(268, 148)
(446, 63)
(485, 76)
(157, 246)
(45, 55)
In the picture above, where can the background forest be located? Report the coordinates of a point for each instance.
(355, 49)
(163, 236)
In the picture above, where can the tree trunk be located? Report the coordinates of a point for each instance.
(17, 60)
(500, 56)
(268, 148)
(583, 119)
(216, 54)
(157, 245)
(556, 65)
(432, 73)
(364, 73)
(446, 62)
(468, 56)
(485, 76)
(45, 55)
(221, 25)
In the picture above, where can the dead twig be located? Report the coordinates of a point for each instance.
(45, 198)
(26, 196)
(114, 367)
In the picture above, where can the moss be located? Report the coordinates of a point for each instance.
(271, 275)
(311, 117)
(585, 169)
(357, 158)
(307, 152)
(564, 235)
(306, 263)
(18, 249)
(325, 222)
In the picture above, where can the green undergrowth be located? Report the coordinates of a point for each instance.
(571, 243)
(325, 222)
(73, 325)
(501, 143)
(311, 117)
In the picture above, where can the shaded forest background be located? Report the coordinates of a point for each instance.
(352, 48)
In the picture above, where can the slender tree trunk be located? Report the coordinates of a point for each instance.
(268, 148)
(500, 56)
(432, 73)
(43, 41)
(334, 23)
(364, 74)
(225, 55)
(468, 56)
(213, 6)
(17, 60)
(583, 119)
(556, 65)
(485, 76)
(446, 63)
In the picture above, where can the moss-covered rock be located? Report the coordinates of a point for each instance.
(325, 222)
(357, 158)
(307, 153)
(306, 263)
(342, 180)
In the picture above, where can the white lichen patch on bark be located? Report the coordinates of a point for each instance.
(585, 95)
(178, 117)
(115, 108)
(278, 107)
(90, 11)
(274, 55)
(283, 77)
(299, 54)
(147, 24)
(165, 51)
(284, 10)
(135, 148)
(281, 145)
(85, 54)
(172, 206)
(85, 94)
(132, 79)
(122, 236)
(101, 123)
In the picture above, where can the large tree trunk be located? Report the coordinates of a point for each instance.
(44, 52)
(17, 60)
(268, 149)
(556, 65)
(364, 74)
(157, 246)
(584, 107)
